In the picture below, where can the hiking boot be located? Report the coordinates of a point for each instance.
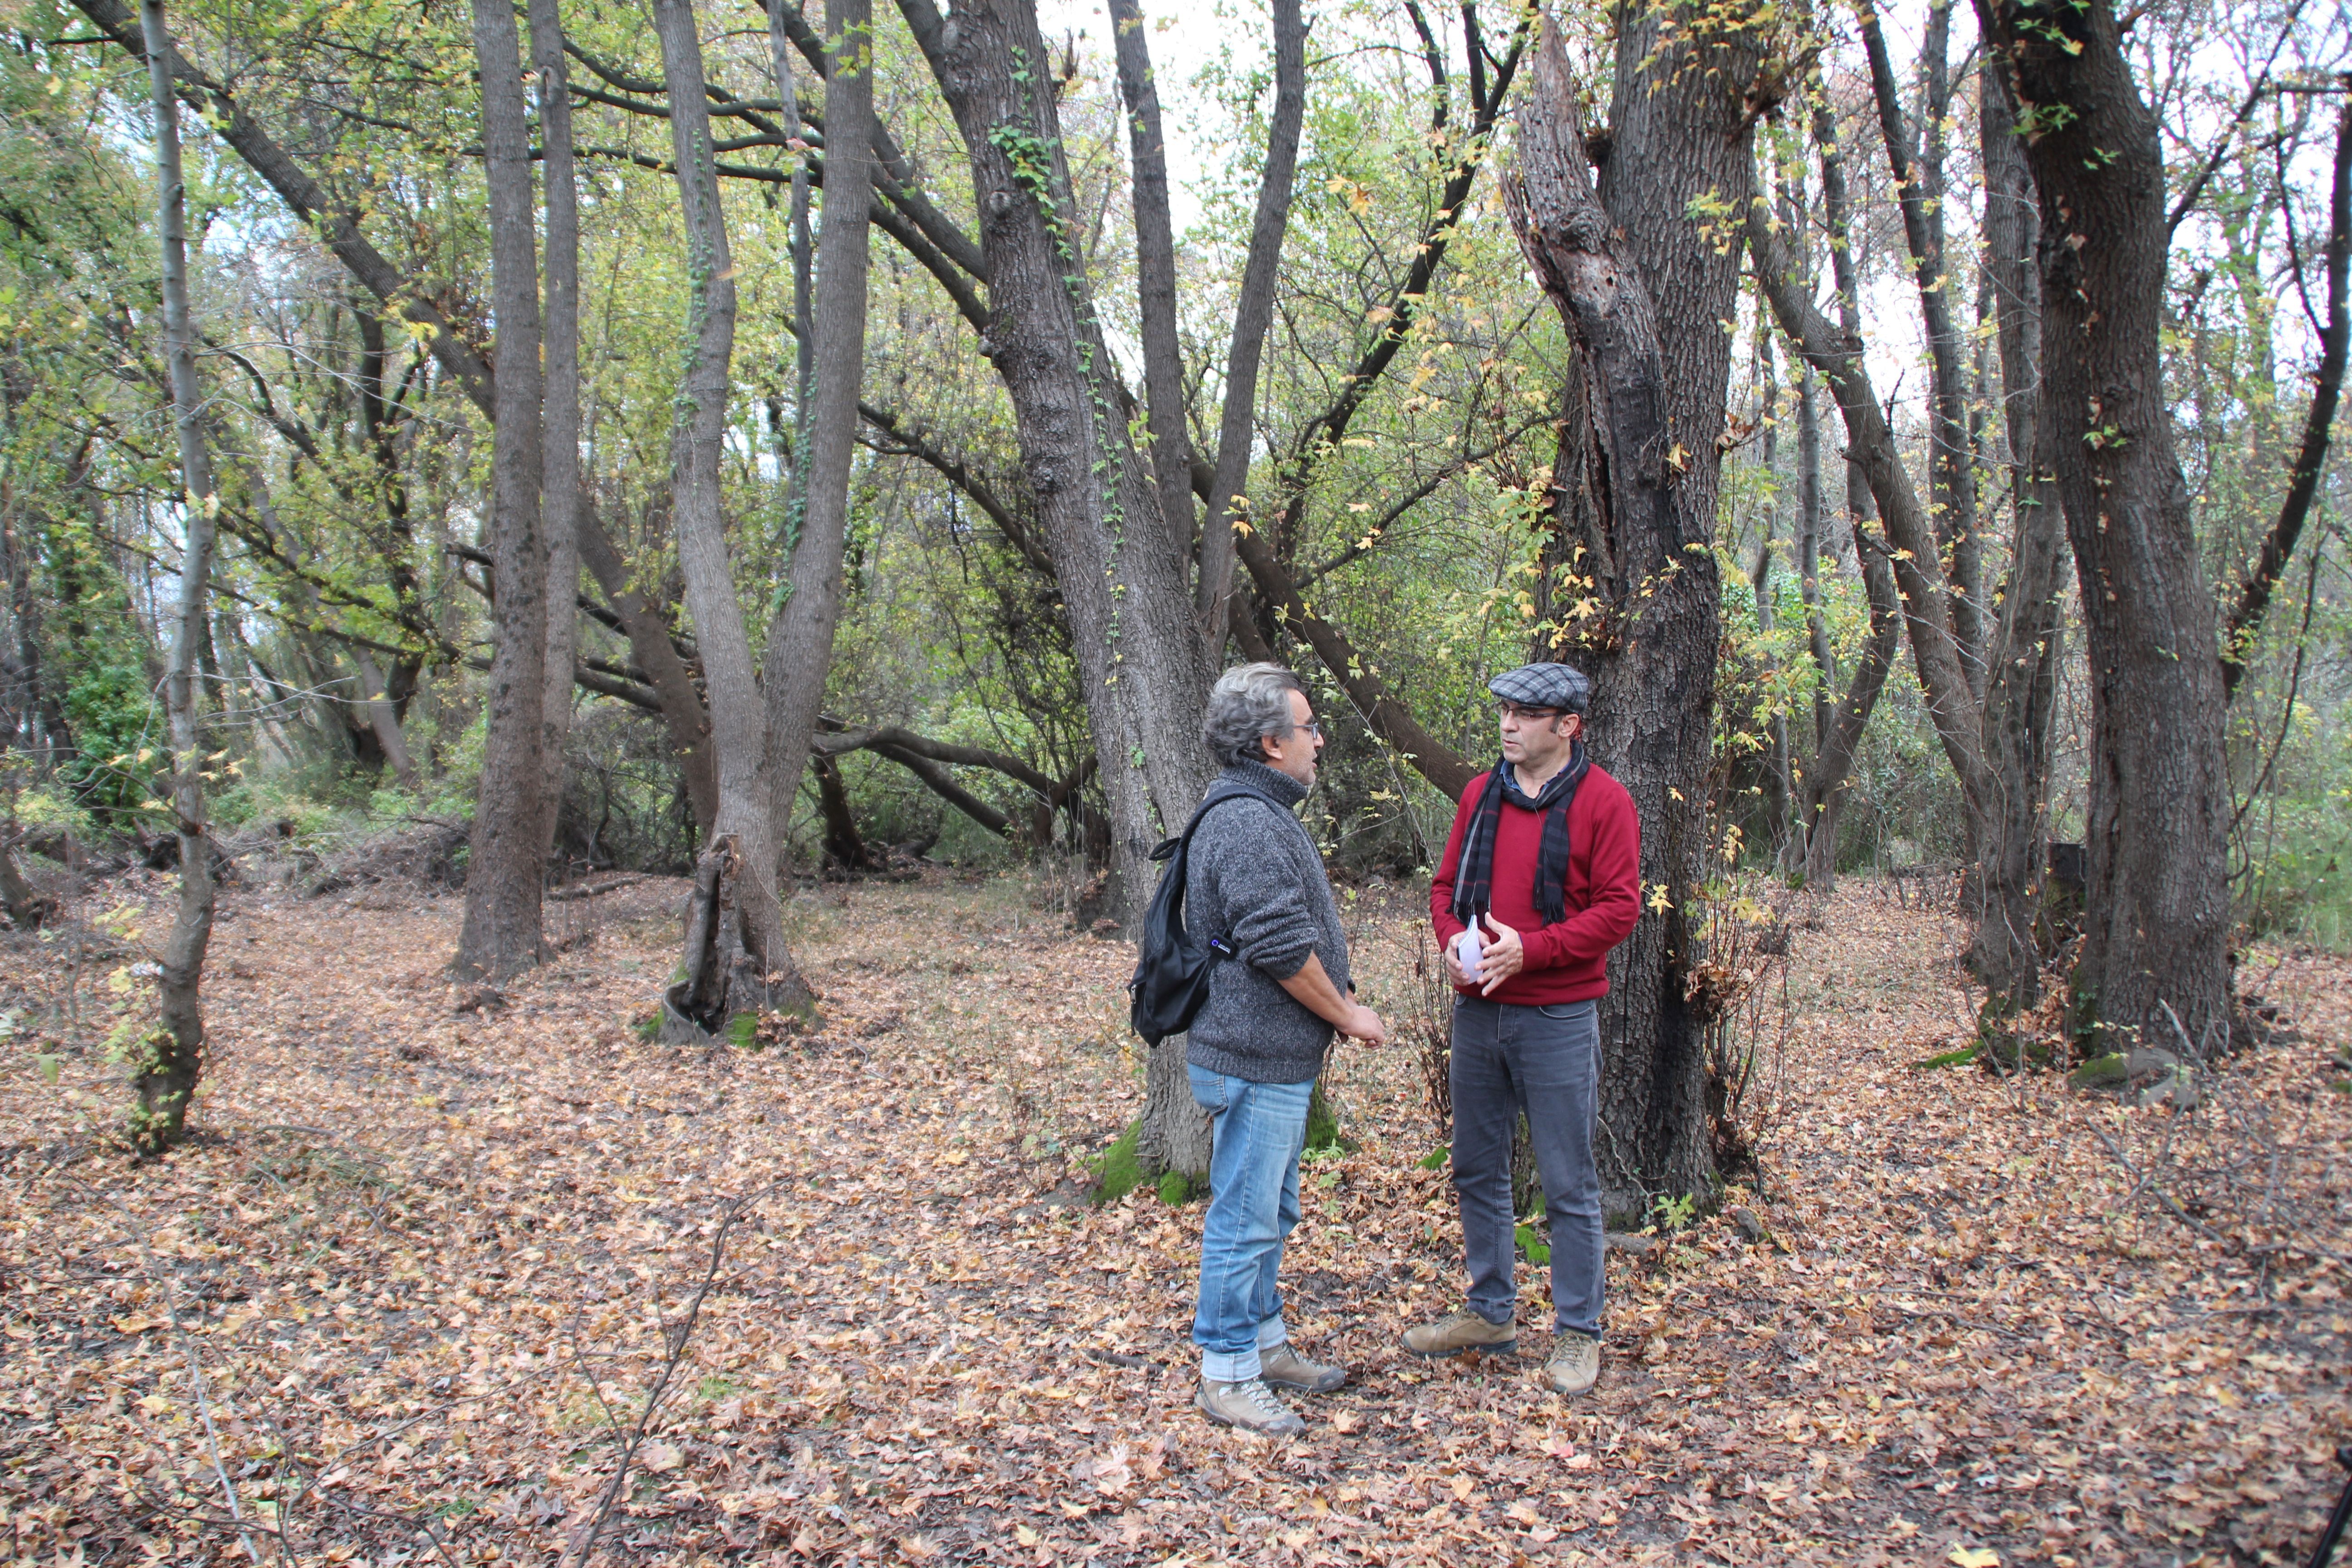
(1464, 1331)
(1575, 1363)
(1248, 1404)
(1283, 1367)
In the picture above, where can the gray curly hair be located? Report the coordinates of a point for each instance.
(1249, 703)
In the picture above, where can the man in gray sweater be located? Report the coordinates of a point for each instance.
(1257, 880)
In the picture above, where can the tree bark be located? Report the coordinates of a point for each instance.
(1870, 445)
(1155, 276)
(1253, 313)
(735, 959)
(1919, 184)
(560, 397)
(799, 638)
(1644, 293)
(1122, 580)
(683, 715)
(1829, 788)
(506, 859)
(2021, 665)
(172, 1056)
(2156, 927)
(385, 723)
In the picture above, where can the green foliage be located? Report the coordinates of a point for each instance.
(1175, 1188)
(1674, 1213)
(1435, 1160)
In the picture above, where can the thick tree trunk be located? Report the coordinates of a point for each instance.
(560, 397)
(506, 861)
(2022, 665)
(2156, 926)
(172, 1056)
(1644, 291)
(800, 639)
(1123, 585)
(735, 958)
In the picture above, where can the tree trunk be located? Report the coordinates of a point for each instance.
(1253, 313)
(507, 855)
(843, 843)
(2156, 925)
(735, 958)
(1919, 184)
(800, 639)
(1644, 293)
(1155, 276)
(2319, 420)
(803, 259)
(2021, 665)
(684, 717)
(1870, 446)
(385, 722)
(172, 1054)
(560, 398)
(1827, 790)
(1123, 585)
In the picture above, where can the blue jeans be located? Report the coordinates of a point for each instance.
(1258, 1132)
(1544, 1061)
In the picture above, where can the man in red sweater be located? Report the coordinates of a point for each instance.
(1542, 877)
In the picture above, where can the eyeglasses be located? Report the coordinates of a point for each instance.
(1513, 711)
(1312, 726)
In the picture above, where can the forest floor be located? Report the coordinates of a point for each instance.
(421, 1269)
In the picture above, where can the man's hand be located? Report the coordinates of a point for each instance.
(1365, 1024)
(1454, 970)
(1505, 956)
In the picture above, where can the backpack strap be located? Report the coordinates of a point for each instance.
(1181, 848)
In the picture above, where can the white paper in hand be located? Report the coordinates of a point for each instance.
(1468, 952)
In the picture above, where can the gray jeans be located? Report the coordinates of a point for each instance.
(1545, 1061)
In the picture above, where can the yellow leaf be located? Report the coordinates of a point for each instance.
(1026, 1536)
(1976, 1557)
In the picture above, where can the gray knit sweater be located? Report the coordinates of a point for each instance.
(1256, 880)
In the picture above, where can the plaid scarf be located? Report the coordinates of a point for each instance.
(1474, 879)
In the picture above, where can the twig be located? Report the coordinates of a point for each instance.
(676, 1337)
(195, 1381)
(2148, 1184)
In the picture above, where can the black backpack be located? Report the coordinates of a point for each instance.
(1171, 971)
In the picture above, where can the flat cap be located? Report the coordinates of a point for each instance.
(1544, 686)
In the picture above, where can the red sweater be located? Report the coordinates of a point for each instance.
(1568, 962)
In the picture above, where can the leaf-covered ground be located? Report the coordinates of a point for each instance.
(420, 1269)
